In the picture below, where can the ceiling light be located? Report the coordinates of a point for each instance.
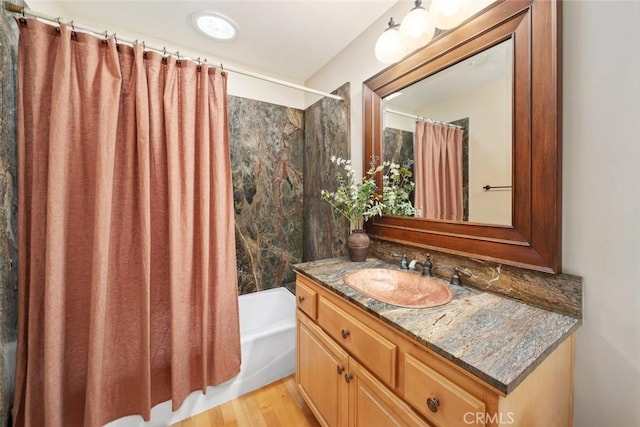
(391, 45)
(215, 25)
(417, 27)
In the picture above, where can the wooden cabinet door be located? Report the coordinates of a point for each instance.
(372, 404)
(322, 366)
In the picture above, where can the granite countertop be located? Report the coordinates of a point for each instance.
(498, 339)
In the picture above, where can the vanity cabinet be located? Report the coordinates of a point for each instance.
(339, 390)
(356, 370)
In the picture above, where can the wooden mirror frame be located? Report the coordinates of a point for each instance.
(534, 239)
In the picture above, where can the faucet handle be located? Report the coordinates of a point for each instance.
(455, 278)
(427, 266)
(404, 264)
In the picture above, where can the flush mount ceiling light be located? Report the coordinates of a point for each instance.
(215, 25)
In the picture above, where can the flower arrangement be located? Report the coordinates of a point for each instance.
(356, 201)
(359, 201)
(397, 188)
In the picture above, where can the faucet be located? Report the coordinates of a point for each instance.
(426, 266)
(455, 278)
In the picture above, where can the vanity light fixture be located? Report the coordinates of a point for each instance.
(449, 13)
(417, 27)
(215, 25)
(391, 45)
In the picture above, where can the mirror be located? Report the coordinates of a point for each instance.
(526, 232)
(478, 91)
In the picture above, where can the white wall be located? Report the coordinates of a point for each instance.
(601, 200)
(355, 64)
(601, 178)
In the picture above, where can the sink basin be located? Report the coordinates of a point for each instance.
(401, 288)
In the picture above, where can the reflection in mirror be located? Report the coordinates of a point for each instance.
(453, 132)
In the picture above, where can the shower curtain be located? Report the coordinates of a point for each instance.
(127, 279)
(438, 171)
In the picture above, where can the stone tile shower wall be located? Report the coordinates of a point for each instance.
(267, 162)
(327, 133)
(8, 205)
(398, 146)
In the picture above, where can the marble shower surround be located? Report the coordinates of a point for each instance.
(327, 133)
(398, 146)
(8, 204)
(266, 144)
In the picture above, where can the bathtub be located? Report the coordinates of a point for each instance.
(267, 341)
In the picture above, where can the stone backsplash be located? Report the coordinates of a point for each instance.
(561, 293)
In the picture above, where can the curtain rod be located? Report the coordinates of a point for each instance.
(412, 116)
(14, 8)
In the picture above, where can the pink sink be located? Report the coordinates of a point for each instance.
(401, 288)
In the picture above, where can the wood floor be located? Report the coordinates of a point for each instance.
(276, 405)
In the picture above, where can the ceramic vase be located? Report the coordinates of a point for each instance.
(358, 245)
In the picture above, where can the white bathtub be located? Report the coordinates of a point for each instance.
(267, 340)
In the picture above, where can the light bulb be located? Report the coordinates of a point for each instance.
(417, 27)
(449, 13)
(391, 45)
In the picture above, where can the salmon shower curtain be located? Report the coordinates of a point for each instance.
(438, 171)
(127, 280)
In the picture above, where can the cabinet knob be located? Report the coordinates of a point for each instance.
(348, 377)
(301, 298)
(340, 369)
(345, 333)
(433, 403)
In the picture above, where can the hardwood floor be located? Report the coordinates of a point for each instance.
(276, 405)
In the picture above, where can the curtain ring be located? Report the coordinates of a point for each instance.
(115, 37)
(164, 51)
(58, 20)
(73, 27)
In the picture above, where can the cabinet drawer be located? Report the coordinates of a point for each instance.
(370, 348)
(306, 299)
(451, 406)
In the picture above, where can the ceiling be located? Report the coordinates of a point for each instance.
(290, 39)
